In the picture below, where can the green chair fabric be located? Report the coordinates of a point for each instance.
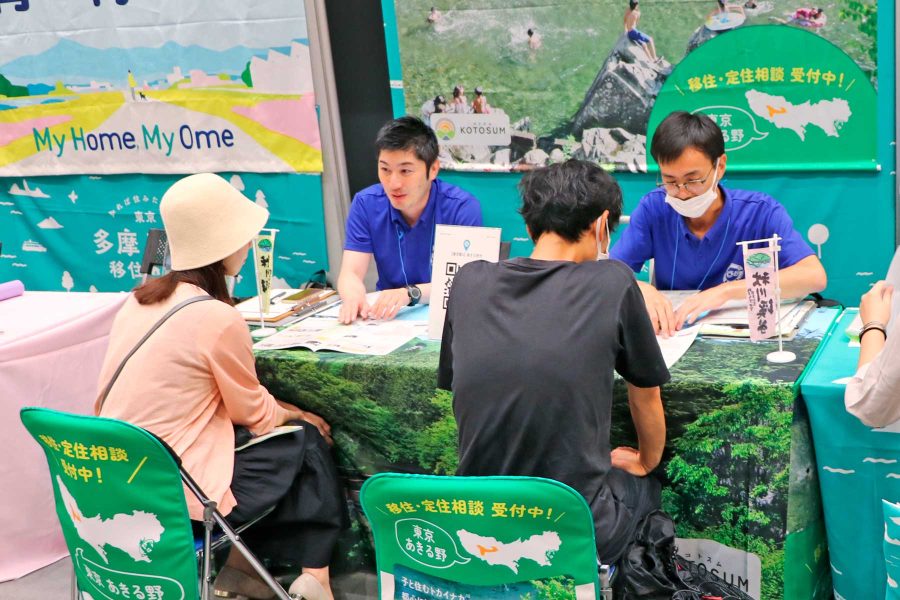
(120, 501)
(480, 537)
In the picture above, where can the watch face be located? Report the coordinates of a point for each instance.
(414, 293)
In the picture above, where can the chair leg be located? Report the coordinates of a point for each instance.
(206, 572)
(241, 547)
(212, 516)
(606, 583)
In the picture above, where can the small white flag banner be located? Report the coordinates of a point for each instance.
(455, 246)
(761, 276)
(264, 259)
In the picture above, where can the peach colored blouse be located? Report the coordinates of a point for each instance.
(188, 383)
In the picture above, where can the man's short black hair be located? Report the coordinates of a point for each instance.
(566, 198)
(682, 130)
(632, 4)
(409, 133)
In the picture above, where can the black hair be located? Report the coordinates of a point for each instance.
(721, 3)
(566, 198)
(457, 91)
(682, 130)
(632, 4)
(409, 133)
(530, 32)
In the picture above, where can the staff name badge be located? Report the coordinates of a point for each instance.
(454, 129)
(455, 246)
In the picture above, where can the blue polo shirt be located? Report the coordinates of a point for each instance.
(403, 253)
(685, 262)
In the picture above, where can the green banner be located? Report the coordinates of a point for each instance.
(488, 537)
(121, 507)
(785, 99)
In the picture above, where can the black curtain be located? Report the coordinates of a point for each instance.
(356, 28)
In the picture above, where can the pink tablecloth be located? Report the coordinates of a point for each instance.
(51, 348)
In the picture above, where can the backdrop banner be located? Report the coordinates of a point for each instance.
(88, 233)
(162, 87)
(791, 85)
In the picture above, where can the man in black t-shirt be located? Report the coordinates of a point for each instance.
(529, 349)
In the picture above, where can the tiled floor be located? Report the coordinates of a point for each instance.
(50, 583)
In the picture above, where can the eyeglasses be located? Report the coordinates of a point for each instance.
(693, 186)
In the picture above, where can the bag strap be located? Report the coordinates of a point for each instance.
(164, 318)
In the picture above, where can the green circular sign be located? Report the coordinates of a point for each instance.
(785, 99)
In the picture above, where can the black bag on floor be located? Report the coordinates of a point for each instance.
(650, 569)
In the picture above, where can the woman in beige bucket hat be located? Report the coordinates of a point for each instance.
(193, 379)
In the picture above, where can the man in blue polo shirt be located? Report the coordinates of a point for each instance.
(395, 221)
(691, 225)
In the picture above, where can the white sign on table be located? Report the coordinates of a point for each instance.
(455, 246)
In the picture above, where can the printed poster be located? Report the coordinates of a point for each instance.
(103, 86)
(580, 79)
(455, 246)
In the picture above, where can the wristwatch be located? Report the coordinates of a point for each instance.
(415, 294)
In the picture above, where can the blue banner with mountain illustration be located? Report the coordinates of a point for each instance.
(103, 87)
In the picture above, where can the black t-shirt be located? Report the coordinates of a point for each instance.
(529, 349)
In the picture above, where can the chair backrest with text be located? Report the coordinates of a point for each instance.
(120, 502)
(480, 537)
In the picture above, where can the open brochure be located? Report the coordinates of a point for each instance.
(371, 337)
(280, 430)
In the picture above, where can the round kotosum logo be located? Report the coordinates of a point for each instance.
(445, 129)
(759, 260)
(265, 245)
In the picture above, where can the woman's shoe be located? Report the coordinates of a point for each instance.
(307, 587)
(232, 583)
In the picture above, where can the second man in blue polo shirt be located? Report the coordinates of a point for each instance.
(691, 225)
(395, 222)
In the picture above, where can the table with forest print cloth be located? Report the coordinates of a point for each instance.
(739, 468)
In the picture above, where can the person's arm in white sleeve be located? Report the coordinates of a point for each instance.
(873, 393)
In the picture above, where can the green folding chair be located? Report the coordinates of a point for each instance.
(481, 537)
(120, 502)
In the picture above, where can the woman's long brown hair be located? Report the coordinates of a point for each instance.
(210, 278)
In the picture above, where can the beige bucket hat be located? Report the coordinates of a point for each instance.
(207, 220)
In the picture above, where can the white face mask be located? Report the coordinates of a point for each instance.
(696, 206)
(600, 254)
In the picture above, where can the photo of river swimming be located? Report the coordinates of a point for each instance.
(542, 85)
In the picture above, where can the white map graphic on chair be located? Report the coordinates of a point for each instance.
(135, 533)
(538, 548)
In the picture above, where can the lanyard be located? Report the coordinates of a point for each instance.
(400, 247)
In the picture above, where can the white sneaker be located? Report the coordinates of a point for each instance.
(307, 587)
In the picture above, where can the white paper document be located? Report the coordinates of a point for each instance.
(731, 319)
(375, 338)
(674, 347)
